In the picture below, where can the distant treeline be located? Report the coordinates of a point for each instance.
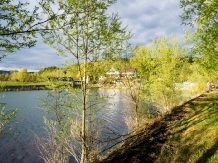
(96, 69)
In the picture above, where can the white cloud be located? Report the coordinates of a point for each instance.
(146, 19)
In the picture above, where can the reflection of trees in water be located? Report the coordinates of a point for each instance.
(22, 147)
(19, 151)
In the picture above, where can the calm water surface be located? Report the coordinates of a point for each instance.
(22, 147)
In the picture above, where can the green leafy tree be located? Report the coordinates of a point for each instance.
(5, 115)
(87, 33)
(203, 15)
(52, 72)
(142, 60)
(14, 76)
(22, 75)
(159, 68)
(19, 26)
(71, 70)
(15, 26)
(18, 29)
(169, 59)
(4, 77)
(58, 104)
(137, 88)
(31, 78)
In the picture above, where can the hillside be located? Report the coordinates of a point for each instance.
(188, 134)
(4, 72)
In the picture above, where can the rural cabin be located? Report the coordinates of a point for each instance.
(127, 72)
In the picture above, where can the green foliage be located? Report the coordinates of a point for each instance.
(4, 77)
(90, 35)
(49, 69)
(23, 70)
(85, 28)
(22, 75)
(143, 62)
(14, 76)
(159, 68)
(203, 15)
(52, 71)
(63, 124)
(201, 12)
(16, 28)
(19, 76)
(6, 116)
(58, 125)
(169, 59)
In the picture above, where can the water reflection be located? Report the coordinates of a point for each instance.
(29, 120)
(22, 147)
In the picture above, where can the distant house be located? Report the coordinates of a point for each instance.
(113, 72)
(129, 72)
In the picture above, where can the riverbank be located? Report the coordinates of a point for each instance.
(26, 86)
(16, 86)
(188, 134)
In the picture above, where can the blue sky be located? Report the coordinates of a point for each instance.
(145, 18)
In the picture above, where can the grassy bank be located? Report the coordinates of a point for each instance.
(194, 138)
(17, 84)
(189, 134)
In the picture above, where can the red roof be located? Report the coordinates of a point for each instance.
(128, 70)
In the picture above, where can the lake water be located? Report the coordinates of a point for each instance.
(21, 147)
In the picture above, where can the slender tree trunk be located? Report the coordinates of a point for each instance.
(83, 154)
(83, 134)
(84, 87)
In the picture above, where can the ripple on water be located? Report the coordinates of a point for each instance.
(22, 148)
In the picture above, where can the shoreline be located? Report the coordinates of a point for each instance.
(46, 87)
(24, 88)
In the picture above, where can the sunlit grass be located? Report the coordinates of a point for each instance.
(10, 84)
(194, 139)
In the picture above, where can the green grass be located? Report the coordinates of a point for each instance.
(194, 139)
(10, 84)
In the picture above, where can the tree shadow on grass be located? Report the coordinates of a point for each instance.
(208, 154)
(146, 145)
